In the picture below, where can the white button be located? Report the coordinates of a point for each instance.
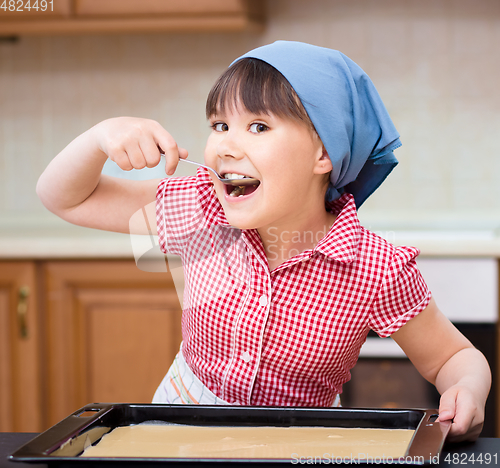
(263, 300)
(246, 356)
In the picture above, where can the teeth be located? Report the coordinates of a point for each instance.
(231, 175)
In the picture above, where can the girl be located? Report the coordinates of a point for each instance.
(282, 283)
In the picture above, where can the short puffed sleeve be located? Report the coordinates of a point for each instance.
(402, 296)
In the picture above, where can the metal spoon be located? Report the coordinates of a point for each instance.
(235, 182)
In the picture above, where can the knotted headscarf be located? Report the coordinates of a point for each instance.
(346, 111)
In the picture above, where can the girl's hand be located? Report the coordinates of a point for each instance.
(459, 371)
(135, 143)
(459, 404)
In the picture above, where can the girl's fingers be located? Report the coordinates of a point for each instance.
(136, 157)
(168, 147)
(461, 408)
(150, 151)
(183, 153)
(172, 161)
(447, 406)
(121, 159)
(136, 143)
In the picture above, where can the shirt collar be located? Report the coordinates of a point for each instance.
(208, 197)
(342, 241)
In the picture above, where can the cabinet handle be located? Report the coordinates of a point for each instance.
(22, 310)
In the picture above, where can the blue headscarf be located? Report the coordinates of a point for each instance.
(346, 111)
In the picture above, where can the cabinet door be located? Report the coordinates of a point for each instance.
(112, 333)
(126, 16)
(160, 7)
(20, 408)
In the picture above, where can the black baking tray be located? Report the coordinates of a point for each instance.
(62, 444)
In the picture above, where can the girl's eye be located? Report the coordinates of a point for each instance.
(258, 128)
(220, 127)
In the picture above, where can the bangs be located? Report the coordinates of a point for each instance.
(259, 88)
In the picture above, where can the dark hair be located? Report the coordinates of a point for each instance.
(260, 88)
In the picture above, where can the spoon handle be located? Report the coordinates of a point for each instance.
(201, 165)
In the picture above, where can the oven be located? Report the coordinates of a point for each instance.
(466, 291)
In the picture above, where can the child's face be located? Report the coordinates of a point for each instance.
(280, 152)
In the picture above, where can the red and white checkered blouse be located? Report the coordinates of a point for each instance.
(290, 336)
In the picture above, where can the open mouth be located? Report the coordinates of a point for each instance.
(239, 190)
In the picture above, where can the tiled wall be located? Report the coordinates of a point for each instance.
(436, 64)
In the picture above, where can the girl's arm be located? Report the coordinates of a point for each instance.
(73, 188)
(448, 360)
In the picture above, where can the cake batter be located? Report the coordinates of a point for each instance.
(183, 441)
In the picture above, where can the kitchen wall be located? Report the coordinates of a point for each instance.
(436, 64)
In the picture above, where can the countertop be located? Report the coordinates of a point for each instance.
(112, 245)
(48, 237)
(465, 454)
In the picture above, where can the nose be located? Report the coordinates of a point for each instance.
(230, 146)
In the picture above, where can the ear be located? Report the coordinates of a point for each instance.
(323, 164)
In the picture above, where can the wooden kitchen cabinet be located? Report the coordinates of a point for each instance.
(99, 331)
(112, 332)
(128, 16)
(20, 377)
